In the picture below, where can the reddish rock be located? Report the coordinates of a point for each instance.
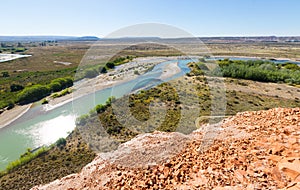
(252, 150)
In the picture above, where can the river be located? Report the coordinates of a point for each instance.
(41, 127)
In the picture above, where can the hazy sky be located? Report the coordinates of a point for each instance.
(198, 17)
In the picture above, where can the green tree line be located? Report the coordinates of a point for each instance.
(37, 92)
(259, 70)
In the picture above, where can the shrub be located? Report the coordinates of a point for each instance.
(64, 82)
(110, 65)
(102, 70)
(10, 105)
(5, 74)
(16, 87)
(259, 70)
(55, 86)
(45, 101)
(110, 100)
(61, 142)
(25, 158)
(32, 94)
(100, 108)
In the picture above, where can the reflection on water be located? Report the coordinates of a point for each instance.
(47, 132)
(43, 125)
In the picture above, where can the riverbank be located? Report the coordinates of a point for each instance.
(120, 74)
(11, 115)
(170, 70)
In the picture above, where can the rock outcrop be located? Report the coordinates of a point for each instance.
(252, 150)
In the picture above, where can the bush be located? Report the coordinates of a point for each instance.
(25, 158)
(10, 105)
(55, 86)
(5, 74)
(45, 101)
(102, 70)
(32, 94)
(61, 142)
(110, 100)
(64, 82)
(110, 65)
(100, 108)
(259, 70)
(291, 66)
(16, 87)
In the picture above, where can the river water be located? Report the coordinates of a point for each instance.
(39, 127)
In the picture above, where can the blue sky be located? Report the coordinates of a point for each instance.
(198, 17)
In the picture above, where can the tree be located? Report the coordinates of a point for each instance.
(55, 86)
(32, 94)
(102, 70)
(110, 65)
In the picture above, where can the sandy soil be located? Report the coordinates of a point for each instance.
(120, 74)
(269, 89)
(170, 70)
(9, 116)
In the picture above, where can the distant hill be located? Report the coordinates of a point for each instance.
(46, 38)
(229, 39)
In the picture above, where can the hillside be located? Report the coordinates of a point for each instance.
(253, 150)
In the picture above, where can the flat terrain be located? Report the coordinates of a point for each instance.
(46, 63)
(45, 58)
(239, 97)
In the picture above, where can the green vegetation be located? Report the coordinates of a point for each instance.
(45, 101)
(262, 71)
(91, 71)
(12, 47)
(10, 87)
(16, 87)
(110, 65)
(65, 157)
(71, 154)
(61, 142)
(62, 93)
(24, 158)
(32, 94)
(37, 92)
(5, 74)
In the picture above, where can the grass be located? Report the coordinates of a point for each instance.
(62, 93)
(28, 79)
(24, 159)
(71, 157)
(73, 154)
(55, 163)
